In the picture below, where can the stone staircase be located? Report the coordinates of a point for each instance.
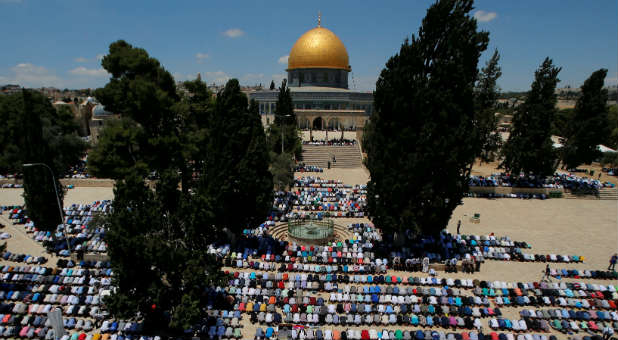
(604, 194)
(608, 194)
(570, 195)
(348, 156)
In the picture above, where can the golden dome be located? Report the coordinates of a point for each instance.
(319, 48)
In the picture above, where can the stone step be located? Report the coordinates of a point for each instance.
(319, 155)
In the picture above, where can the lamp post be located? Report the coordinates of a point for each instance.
(282, 128)
(27, 165)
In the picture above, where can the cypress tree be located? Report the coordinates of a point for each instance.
(529, 148)
(285, 125)
(35, 132)
(236, 162)
(419, 142)
(589, 125)
(486, 95)
(158, 235)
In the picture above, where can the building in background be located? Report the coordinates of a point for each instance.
(317, 75)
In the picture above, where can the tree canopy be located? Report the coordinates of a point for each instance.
(589, 126)
(419, 142)
(281, 168)
(529, 148)
(236, 162)
(285, 125)
(284, 110)
(486, 96)
(35, 132)
(159, 231)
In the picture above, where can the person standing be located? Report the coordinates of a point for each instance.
(612, 262)
(479, 260)
(547, 275)
(458, 226)
(425, 264)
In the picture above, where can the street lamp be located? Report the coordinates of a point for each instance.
(28, 165)
(282, 128)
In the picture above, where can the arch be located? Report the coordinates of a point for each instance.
(304, 124)
(334, 124)
(318, 123)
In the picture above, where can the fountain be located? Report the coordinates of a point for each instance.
(310, 231)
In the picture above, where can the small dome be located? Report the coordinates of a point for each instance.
(99, 110)
(319, 48)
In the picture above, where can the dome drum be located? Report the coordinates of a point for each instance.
(318, 58)
(318, 77)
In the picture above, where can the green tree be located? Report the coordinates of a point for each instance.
(590, 124)
(236, 162)
(161, 269)
(117, 152)
(612, 117)
(529, 148)
(35, 132)
(419, 144)
(272, 85)
(284, 110)
(158, 233)
(195, 111)
(610, 159)
(143, 91)
(486, 96)
(285, 125)
(281, 168)
(562, 122)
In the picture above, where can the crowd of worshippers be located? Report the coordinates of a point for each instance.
(315, 198)
(282, 204)
(369, 254)
(333, 142)
(287, 332)
(318, 198)
(440, 305)
(12, 185)
(81, 237)
(566, 181)
(79, 170)
(23, 258)
(519, 195)
(581, 274)
(29, 293)
(368, 251)
(302, 167)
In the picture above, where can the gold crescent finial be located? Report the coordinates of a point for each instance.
(319, 19)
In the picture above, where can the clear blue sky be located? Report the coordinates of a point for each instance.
(57, 43)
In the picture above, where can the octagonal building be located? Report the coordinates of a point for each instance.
(318, 77)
